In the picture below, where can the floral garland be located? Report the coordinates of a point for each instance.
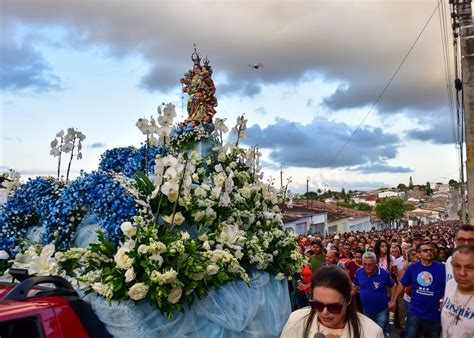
(60, 209)
(29, 206)
(96, 193)
(189, 137)
(129, 160)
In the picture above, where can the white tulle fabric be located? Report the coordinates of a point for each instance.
(235, 310)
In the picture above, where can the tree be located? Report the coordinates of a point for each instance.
(390, 210)
(453, 183)
(402, 187)
(311, 195)
(428, 189)
(410, 185)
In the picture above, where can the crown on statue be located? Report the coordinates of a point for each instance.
(196, 57)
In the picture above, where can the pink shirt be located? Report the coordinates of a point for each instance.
(383, 262)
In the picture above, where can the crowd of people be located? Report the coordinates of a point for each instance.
(357, 284)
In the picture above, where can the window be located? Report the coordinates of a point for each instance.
(22, 327)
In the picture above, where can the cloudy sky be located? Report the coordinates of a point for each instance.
(345, 98)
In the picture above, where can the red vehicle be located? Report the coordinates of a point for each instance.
(29, 310)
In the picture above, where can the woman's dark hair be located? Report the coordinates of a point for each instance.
(378, 244)
(332, 277)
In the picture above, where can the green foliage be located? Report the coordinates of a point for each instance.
(453, 183)
(428, 189)
(353, 205)
(402, 186)
(390, 209)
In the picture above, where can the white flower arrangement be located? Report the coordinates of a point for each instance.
(203, 222)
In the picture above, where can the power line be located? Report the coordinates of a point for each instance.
(447, 72)
(384, 90)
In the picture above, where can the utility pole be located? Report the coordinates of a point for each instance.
(281, 176)
(307, 192)
(463, 15)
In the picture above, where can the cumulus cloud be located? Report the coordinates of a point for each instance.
(440, 131)
(315, 145)
(24, 68)
(381, 167)
(357, 43)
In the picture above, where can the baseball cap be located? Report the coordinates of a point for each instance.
(337, 237)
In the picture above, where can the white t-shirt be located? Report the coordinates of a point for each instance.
(449, 270)
(294, 327)
(400, 261)
(457, 304)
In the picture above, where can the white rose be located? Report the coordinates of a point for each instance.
(175, 295)
(138, 291)
(212, 269)
(200, 192)
(206, 246)
(157, 247)
(143, 249)
(197, 276)
(128, 229)
(129, 245)
(218, 168)
(129, 275)
(158, 258)
(122, 260)
(169, 276)
(246, 191)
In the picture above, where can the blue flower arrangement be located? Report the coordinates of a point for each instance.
(96, 193)
(129, 160)
(29, 206)
(60, 209)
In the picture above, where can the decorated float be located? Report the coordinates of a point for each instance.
(180, 237)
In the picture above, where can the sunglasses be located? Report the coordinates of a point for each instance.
(334, 308)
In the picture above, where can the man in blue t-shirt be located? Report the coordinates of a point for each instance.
(428, 279)
(374, 285)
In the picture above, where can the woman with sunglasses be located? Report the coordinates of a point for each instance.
(331, 312)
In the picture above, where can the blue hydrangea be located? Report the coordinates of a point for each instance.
(129, 160)
(95, 193)
(60, 209)
(29, 206)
